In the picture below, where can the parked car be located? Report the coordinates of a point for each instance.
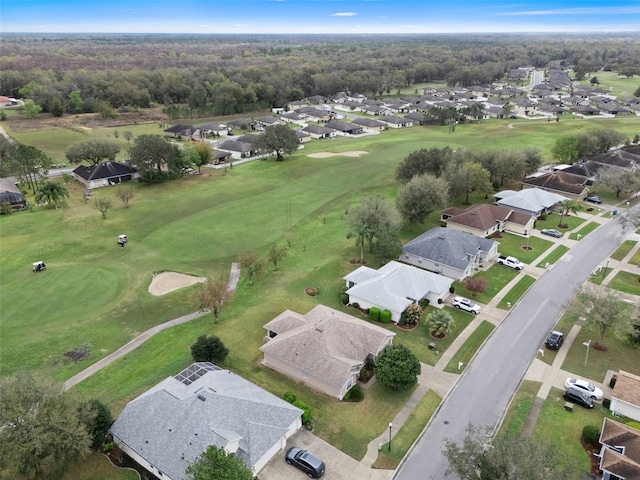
(554, 340)
(551, 232)
(578, 396)
(512, 262)
(594, 199)
(579, 384)
(466, 305)
(305, 461)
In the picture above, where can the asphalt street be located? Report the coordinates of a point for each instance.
(482, 394)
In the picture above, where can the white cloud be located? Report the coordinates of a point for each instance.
(579, 11)
(344, 14)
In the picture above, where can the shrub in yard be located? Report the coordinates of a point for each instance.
(356, 305)
(412, 314)
(385, 316)
(397, 368)
(591, 434)
(344, 298)
(606, 403)
(290, 397)
(452, 289)
(354, 395)
(343, 290)
(306, 410)
(374, 313)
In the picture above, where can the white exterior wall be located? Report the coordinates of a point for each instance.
(277, 447)
(395, 316)
(139, 460)
(625, 408)
(430, 265)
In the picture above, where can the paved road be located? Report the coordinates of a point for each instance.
(483, 392)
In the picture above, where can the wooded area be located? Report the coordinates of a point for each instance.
(230, 74)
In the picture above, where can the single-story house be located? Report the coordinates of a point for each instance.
(344, 127)
(569, 184)
(303, 137)
(369, 123)
(182, 131)
(220, 156)
(395, 286)
(294, 105)
(416, 117)
(449, 252)
(533, 201)
(620, 451)
(5, 101)
(295, 117)
(316, 114)
(486, 219)
(325, 349)
(241, 123)
(238, 149)
(318, 131)
(268, 121)
(396, 122)
(104, 174)
(625, 398)
(171, 424)
(11, 194)
(213, 128)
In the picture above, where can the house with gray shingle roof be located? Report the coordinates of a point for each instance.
(449, 252)
(325, 349)
(620, 451)
(104, 174)
(170, 425)
(533, 201)
(395, 286)
(369, 123)
(625, 398)
(319, 131)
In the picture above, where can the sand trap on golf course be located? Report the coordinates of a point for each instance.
(354, 153)
(166, 282)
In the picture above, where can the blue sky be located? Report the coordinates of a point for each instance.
(318, 16)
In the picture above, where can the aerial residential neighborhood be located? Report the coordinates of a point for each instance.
(273, 256)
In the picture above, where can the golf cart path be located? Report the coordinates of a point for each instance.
(234, 276)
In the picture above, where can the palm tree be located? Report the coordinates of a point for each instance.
(52, 193)
(567, 207)
(440, 322)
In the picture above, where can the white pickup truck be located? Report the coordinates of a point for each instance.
(512, 262)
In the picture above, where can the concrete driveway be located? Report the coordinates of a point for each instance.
(340, 466)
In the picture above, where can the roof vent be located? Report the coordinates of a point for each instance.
(202, 397)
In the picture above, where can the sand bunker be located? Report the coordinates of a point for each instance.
(166, 282)
(354, 153)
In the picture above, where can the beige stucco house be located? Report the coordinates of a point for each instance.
(486, 219)
(325, 349)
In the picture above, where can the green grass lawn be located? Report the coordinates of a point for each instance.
(635, 258)
(95, 466)
(563, 429)
(624, 249)
(524, 249)
(555, 255)
(553, 220)
(588, 228)
(516, 292)
(520, 407)
(626, 282)
(498, 276)
(469, 348)
(566, 322)
(389, 459)
(601, 274)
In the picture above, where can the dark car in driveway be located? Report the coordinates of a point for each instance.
(594, 199)
(305, 461)
(551, 232)
(578, 396)
(554, 340)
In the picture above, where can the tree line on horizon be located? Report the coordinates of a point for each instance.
(222, 75)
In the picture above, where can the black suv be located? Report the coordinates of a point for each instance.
(305, 461)
(578, 396)
(554, 340)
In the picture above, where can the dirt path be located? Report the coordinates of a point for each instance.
(5, 134)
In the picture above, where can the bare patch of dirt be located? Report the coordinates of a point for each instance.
(78, 354)
(357, 261)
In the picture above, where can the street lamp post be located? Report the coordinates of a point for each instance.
(390, 425)
(586, 355)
